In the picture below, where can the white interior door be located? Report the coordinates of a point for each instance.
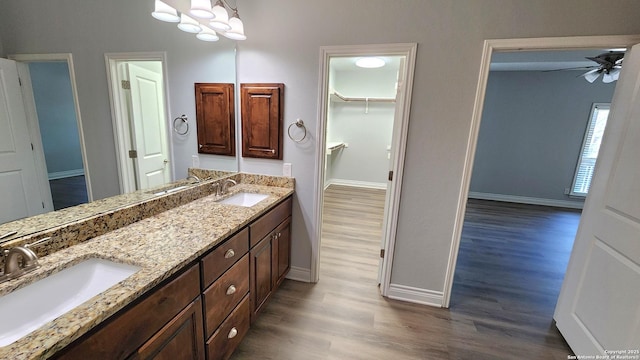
(18, 177)
(149, 127)
(397, 121)
(599, 305)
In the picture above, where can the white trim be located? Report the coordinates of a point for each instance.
(408, 50)
(415, 295)
(120, 129)
(65, 174)
(356, 183)
(557, 43)
(527, 200)
(299, 274)
(68, 57)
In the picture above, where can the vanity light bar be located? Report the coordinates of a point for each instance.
(204, 20)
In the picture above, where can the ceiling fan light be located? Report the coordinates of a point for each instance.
(206, 34)
(201, 9)
(221, 20)
(164, 12)
(370, 62)
(188, 24)
(237, 28)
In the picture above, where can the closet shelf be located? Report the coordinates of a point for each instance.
(333, 146)
(335, 96)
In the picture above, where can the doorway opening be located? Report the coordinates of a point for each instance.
(364, 120)
(138, 91)
(53, 114)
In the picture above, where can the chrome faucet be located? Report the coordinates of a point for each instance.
(197, 179)
(225, 186)
(13, 268)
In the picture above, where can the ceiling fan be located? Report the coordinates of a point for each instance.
(609, 64)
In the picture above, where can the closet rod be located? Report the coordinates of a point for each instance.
(349, 99)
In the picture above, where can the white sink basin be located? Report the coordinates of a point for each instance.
(26, 309)
(244, 199)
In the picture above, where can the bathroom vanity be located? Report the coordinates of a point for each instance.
(207, 268)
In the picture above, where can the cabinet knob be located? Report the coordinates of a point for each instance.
(229, 254)
(232, 333)
(231, 290)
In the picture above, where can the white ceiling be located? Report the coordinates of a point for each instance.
(543, 60)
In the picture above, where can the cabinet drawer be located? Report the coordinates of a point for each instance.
(220, 259)
(225, 293)
(261, 227)
(229, 335)
(129, 330)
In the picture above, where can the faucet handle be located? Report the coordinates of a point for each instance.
(38, 242)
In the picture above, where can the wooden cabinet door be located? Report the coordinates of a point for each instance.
(260, 276)
(215, 117)
(181, 339)
(281, 252)
(262, 117)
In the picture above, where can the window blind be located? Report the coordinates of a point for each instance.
(590, 149)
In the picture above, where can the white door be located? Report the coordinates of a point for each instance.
(18, 177)
(387, 230)
(149, 127)
(599, 305)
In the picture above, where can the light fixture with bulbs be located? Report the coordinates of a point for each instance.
(202, 19)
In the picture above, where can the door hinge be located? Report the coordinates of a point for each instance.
(32, 147)
(133, 154)
(382, 253)
(390, 175)
(43, 205)
(126, 84)
(20, 81)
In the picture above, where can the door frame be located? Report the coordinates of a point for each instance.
(490, 46)
(399, 142)
(121, 133)
(32, 114)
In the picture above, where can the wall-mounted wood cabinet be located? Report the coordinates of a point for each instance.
(262, 120)
(215, 118)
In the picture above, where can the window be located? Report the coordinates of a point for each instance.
(590, 149)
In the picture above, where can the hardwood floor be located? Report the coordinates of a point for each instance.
(68, 192)
(344, 317)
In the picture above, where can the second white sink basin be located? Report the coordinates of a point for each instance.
(26, 309)
(244, 199)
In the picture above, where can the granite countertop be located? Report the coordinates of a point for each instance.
(161, 245)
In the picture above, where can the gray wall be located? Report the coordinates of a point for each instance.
(531, 132)
(282, 46)
(283, 43)
(56, 116)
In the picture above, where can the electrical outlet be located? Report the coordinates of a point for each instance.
(286, 169)
(567, 191)
(195, 161)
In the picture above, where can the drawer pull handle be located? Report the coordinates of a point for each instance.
(231, 290)
(229, 254)
(232, 333)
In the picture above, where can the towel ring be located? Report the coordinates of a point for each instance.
(299, 123)
(176, 124)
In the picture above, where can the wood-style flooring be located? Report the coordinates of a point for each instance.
(70, 191)
(509, 272)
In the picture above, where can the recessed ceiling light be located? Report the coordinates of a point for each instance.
(370, 62)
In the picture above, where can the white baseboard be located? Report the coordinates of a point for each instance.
(356, 183)
(299, 274)
(65, 174)
(415, 295)
(527, 200)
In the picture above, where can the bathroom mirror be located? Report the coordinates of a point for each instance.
(88, 31)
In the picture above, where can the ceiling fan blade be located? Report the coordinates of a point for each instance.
(607, 78)
(592, 75)
(573, 69)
